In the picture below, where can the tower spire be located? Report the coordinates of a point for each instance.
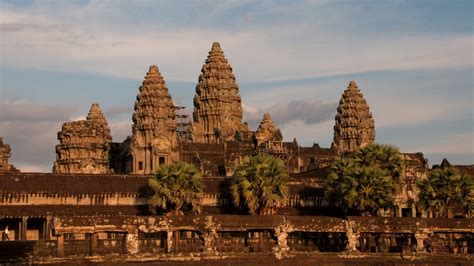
(354, 126)
(154, 124)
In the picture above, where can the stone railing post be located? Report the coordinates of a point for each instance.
(209, 235)
(281, 233)
(209, 240)
(169, 241)
(352, 237)
(131, 243)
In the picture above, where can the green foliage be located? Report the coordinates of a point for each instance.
(366, 180)
(260, 185)
(446, 189)
(178, 188)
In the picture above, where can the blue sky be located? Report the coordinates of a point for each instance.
(413, 61)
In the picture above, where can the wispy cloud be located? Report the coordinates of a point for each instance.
(309, 112)
(117, 111)
(324, 43)
(452, 144)
(48, 42)
(31, 131)
(120, 130)
(27, 112)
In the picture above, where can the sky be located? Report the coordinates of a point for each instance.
(412, 60)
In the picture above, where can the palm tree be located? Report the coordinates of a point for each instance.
(365, 181)
(446, 189)
(178, 188)
(260, 185)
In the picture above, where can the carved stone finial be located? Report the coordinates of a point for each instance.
(95, 113)
(153, 69)
(354, 126)
(216, 45)
(266, 116)
(352, 84)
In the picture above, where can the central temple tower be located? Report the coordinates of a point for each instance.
(217, 105)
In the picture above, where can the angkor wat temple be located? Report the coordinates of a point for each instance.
(94, 204)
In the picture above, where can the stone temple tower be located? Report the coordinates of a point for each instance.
(267, 131)
(154, 140)
(354, 126)
(217, 105)
(84, 145)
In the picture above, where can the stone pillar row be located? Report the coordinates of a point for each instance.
(209, 238)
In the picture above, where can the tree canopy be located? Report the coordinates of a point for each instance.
(445, 190)
(260, 185)
(178, 189)
(366, 180)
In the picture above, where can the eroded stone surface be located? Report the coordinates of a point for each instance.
(84, 145)
(354, 126)
(5, 153)
(217, 104)
(154, 125)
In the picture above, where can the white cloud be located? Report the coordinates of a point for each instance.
(306, 134)
(283, 113)
(249, 109)
(409, 111)
(78, 118)
(120, 130)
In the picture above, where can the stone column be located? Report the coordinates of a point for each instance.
(281, 234)
(399, 211)
(169, 241)
(94, 244)
(60, 245)
(413, 210)
(45, 235)
(131, 243)
(23, 230)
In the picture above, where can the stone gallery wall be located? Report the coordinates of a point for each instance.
(238, 236)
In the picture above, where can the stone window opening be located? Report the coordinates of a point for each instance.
(140, 165)
(317, 241)
(161, 160)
